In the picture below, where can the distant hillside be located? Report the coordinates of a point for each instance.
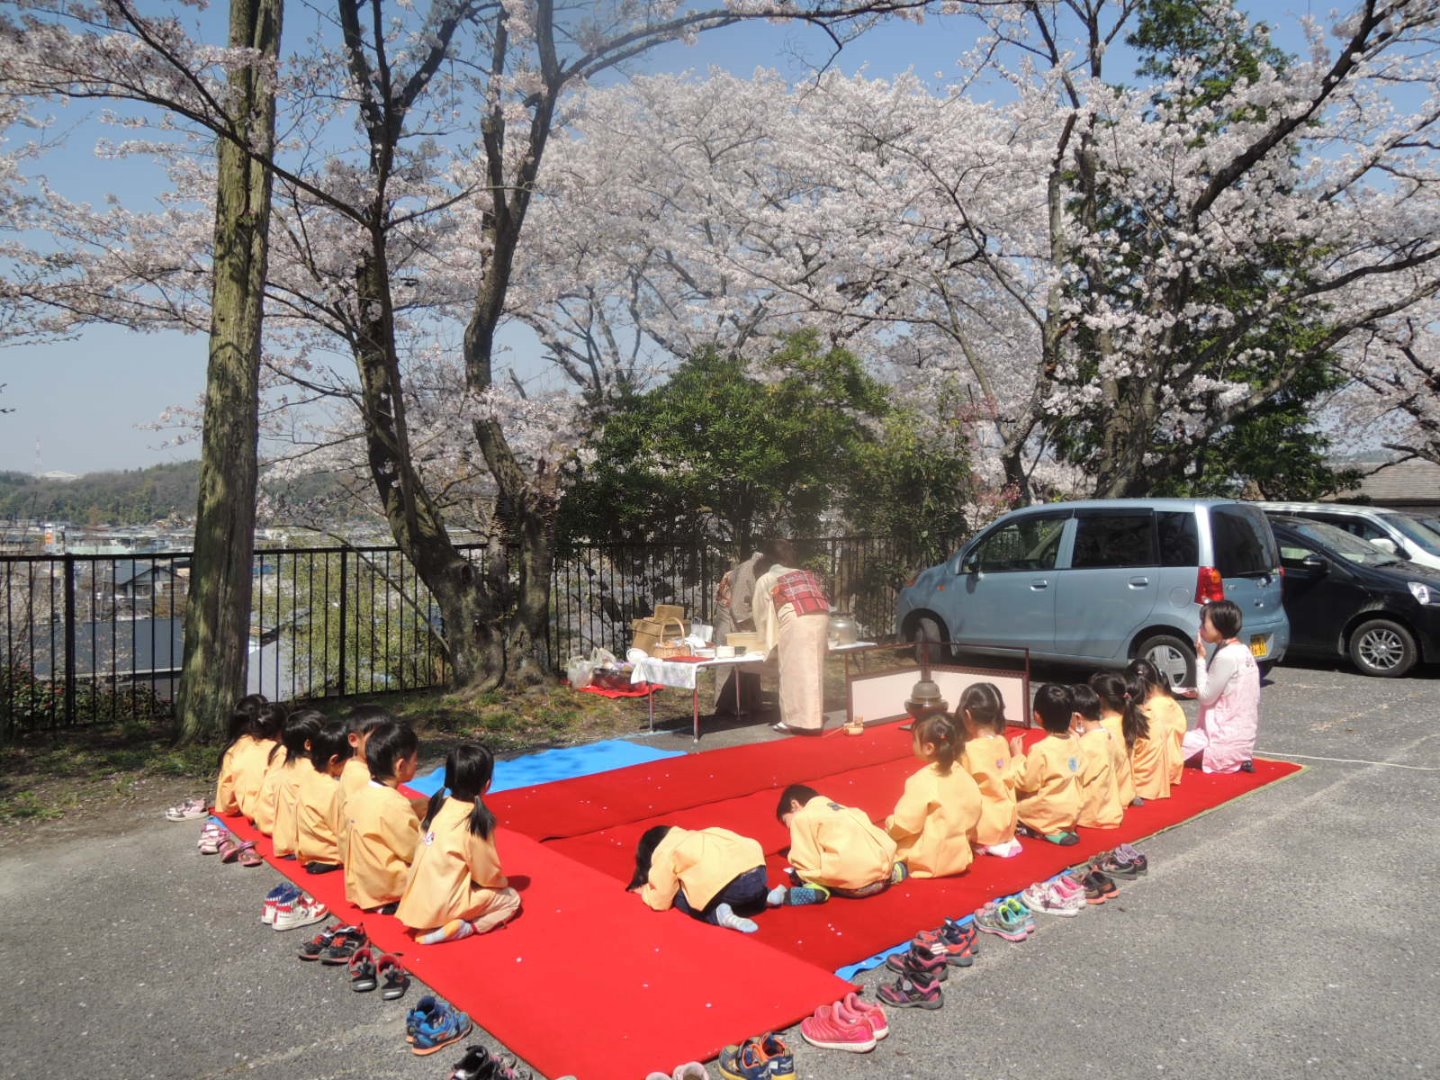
(132, 497)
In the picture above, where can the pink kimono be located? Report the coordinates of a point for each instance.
(1229, 693)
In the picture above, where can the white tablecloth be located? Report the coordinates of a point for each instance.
(684, 674)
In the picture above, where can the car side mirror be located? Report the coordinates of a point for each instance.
(1384, 543)
(970, 564)
(1314, 564)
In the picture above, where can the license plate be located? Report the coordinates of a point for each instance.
(1260, 647)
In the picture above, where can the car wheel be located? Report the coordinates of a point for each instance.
(930, 644)
(1172, 657)
(1382, 648)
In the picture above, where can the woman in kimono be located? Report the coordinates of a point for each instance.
(792, 615)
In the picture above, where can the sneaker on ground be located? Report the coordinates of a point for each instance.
(759, 1058)
(857, 1008)
(444, 1025)
(419, 1015)
(306, 911)
(1134, 856)
(777, 1053)
(1099, 887)
(189, 810)
(908, 993)
(829, 1030)
(312, 949)
(1110, 864)
(991, 919)
(920, 961)
(959, 951)
(1017, 909)
(282, 893)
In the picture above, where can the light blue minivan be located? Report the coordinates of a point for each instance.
(1104, 582)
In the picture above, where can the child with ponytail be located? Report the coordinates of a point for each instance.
(1120, 714)
(938, 812)
(240, 743)
(986, 756)
(456, 886)
(1151, 750)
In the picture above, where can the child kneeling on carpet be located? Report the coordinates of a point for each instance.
(713, 875)
(940, 807)
(1124, 720)
(363, 720)
(986, 756)
(1167, 718)
(456, 886)
(317, 810)
(1049, 786)
(381, 831)
(1100, 806)
(834, 850)
(280, 794)
(239, 746)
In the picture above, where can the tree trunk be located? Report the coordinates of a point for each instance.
(217, 610)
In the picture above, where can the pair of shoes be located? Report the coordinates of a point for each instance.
(394, 979)
(304, 910)
(285, 893)
(1048, 899)
(479, 1064)
(832, 1029)
(765, 1057)
(211, 837)
(335, 944)
(189, 810)
(691, 1070)
(1112, 864)
(1098, 887)
(960, 943)
(912, 993)
(921, 961)
(1002, 922)
(1134, 856)
(233, 849)
(441, 1025)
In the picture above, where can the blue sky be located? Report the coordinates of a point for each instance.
(86, 400)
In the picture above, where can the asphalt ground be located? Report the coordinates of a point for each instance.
(1290, 933)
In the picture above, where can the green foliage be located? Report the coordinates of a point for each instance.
(718, 454)
(29, 704)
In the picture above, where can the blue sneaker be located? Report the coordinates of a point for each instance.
(441, 1028)
(757, 1059)
(418, 1015)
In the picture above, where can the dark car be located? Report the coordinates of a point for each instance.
(1346, 597)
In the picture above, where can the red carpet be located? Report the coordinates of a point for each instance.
(589, 981)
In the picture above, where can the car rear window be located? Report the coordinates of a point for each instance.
(1244, 546)
(1118, 538)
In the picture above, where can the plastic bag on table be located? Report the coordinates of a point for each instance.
(578, 670)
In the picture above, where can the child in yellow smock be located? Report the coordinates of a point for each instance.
(713, 875)
(381, 831)
(317, 814)
(279, 796)
(939, 809)
(1100, 806)
(1118, 716)
(456, 886)
(834, 850)
(253, 766)
(986, 756)
(240, 743)
(1167, 718)
(363, 720)
(1049, 786)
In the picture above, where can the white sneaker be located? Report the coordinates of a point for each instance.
(306, 910)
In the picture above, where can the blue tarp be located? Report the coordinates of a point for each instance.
(562, 764)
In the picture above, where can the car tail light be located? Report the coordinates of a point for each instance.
(1209, 586)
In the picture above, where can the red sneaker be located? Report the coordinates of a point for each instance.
(856, 1009)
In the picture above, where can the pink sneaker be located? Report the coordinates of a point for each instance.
(829, 1031)
(855, 1008)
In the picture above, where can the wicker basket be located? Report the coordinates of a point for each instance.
(661, 638)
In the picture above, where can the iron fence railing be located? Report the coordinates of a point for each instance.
(91, 639)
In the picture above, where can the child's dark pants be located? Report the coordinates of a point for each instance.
(745, 894)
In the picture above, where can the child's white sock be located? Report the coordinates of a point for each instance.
(726, 917)
(776, 896)
(454, 930)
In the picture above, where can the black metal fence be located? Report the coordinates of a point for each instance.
(93, 639)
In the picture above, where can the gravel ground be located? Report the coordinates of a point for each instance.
(1287, 934)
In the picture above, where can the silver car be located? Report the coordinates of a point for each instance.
(1103, 582)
